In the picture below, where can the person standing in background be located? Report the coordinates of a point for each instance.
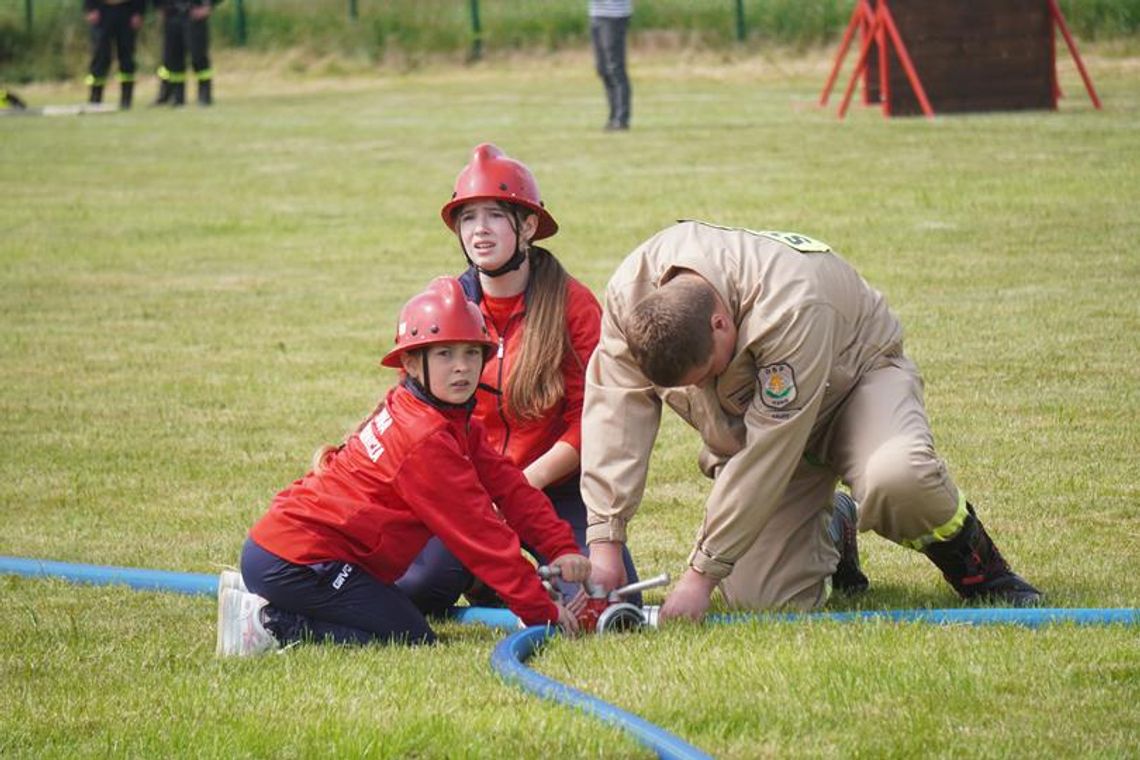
(185, 23)
(113, 22)
(609, 23)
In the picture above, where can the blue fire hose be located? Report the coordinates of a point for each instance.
(109, 575)
(1028, 617)
(509, 655)
(509, 658)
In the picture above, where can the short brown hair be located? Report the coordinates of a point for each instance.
(669, 331)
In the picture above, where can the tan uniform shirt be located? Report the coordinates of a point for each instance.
(808, 327)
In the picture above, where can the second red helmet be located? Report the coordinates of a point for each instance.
(494, 176)
(440, 314)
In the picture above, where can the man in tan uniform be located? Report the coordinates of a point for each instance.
(792, 370)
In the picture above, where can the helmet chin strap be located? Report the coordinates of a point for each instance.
(512, 264)
(424, 389)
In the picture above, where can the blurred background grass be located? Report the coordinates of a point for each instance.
(404, 33)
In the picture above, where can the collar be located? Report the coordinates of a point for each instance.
(692, 259)
(423, 394)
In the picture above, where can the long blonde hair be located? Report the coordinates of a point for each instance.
(536, 383)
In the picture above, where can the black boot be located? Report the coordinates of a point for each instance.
(12, 101)
(205, 92)
(848, 577)
(126, 94)
(481, 595)
(96, 94)
(163, 97)
(177, 94)
(972, 564)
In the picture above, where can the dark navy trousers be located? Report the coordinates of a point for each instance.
(436, 578)
(608, 36)
(113, 32)
(332, 601)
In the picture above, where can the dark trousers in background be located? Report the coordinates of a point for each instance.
(608, 35)
(333, 601)
(113, 30)
(179, 33)
(436, 579)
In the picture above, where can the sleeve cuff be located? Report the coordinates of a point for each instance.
(550, 618)
(573, 437)
(705, 563)
(613, 530)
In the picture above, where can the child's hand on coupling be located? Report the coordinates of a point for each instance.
(567, 621)
(575, 568)
(578, 603)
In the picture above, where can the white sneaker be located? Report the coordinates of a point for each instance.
(230, 579)
(240, 630)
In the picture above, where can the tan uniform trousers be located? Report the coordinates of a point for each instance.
(879, 443)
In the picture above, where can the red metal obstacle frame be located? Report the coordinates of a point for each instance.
(877, 25)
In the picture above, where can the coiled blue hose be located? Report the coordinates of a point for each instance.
(509, 656)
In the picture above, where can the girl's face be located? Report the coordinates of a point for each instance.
(453, 370)
(487, 232)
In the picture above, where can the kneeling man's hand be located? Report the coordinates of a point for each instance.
(690, 598)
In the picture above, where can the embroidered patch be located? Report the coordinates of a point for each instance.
(371, 442)
(777, 385)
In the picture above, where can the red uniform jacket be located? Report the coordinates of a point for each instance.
(524, 441)
(412, 472)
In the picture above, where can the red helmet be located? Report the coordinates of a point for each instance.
(493, 176)
(440, 314)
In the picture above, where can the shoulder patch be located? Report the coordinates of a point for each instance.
(370, 434)
(777, 385)
(801, 243)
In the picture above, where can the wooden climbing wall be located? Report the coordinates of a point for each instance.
(970, 55)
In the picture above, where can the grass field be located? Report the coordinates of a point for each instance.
(193, 301)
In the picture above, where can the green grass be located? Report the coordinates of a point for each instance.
(193, 301)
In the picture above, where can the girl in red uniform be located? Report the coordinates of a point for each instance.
(322, 562)
(545, 325)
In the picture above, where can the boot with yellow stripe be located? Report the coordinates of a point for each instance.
(972, 564)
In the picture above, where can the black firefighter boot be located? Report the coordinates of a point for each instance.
(126, 94)
(177, 94)
(163, 97)
(972, 564)
(848, 577)
(205, 92)
(96, 94)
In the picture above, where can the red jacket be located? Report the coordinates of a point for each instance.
(524, 441)
(412, 472)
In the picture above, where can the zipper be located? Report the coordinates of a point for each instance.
(499, 396)
(500, 354)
